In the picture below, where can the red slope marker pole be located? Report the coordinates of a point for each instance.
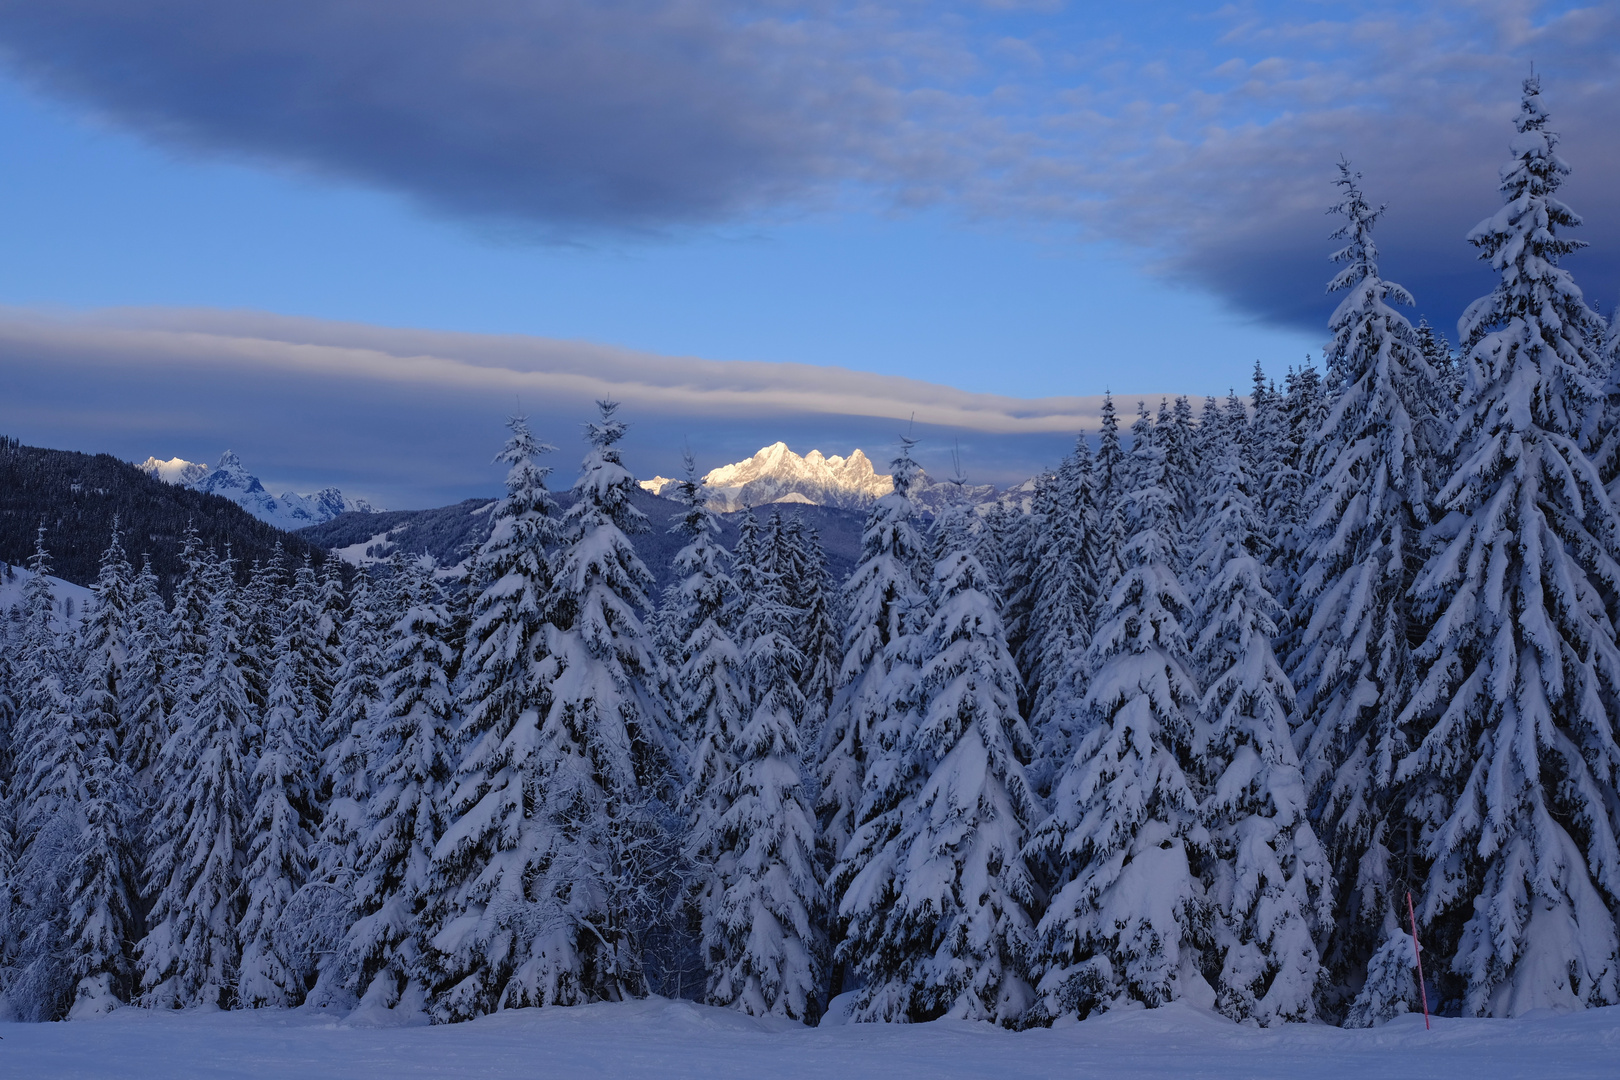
(1418, 956)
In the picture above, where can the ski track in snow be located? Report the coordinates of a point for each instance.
(672, 1040)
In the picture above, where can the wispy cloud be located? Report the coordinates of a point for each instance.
(410, 416)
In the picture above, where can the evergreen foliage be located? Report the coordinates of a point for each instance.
(1514, 773)
(1127, 916)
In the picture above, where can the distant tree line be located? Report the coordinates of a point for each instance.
(77, 497)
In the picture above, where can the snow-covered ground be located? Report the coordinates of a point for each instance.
(672, 1040)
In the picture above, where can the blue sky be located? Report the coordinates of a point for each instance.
(1030, 200)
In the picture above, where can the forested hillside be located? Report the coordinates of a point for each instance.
(77, 496)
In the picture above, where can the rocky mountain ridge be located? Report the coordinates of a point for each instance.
(231, 480)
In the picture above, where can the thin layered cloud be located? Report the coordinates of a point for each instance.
(406, 416)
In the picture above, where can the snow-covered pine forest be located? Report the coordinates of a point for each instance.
(1189, 726)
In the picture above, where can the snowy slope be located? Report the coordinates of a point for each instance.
(776, 474)
(673, 1040)
(70, 598)
(231, 480)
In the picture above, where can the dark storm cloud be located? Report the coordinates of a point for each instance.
(1206, 140)
(1231, 190)
(618, 113)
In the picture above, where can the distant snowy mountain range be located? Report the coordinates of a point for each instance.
(231, 480)
(777, 475)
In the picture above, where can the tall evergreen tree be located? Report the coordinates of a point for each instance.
(1266, 875)
(939, 918)
(482, 902)
(100, 892)
(404, 816)
(285, 787)
(862, 768)
(197, 843)
(762, 930)
(1516, 769)
(606, 759)
(262, 606)
(820, 642)
(188, 614)
(1066, 602)
(887, 604)
(323, 906)
(1128, 918)
(103, 652)
(1113, 474)
(146, 695)
(47, 788)
(1376, 456)
(711, 688)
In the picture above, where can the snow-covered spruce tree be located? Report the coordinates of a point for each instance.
(782, 553)
(1448, 373)
(47, 786)
(999, 548)
(1065, 585)
(606, 761)
(711, 688)
(284, 786)
(1290, 490)
(584, 873)
(1212, 436)
(1375, 457)
(146, 695)
(103, 652)
(322, 908)
(188, 616)
(1603, 424)
(10, 647)
(712, 695)
(762, 930)
(197, 840)
(1175, 432)
(481, 905)
(887, 606)
(1112, 472)
(262, 606)
(938, 920)
(1266, 875)
(333, 602)
(408, 752)
(1273, 459)
(101, 890)
(820, 642)
(1025, 547)
(1127, 918)
(863, 776)
(1515, 773)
